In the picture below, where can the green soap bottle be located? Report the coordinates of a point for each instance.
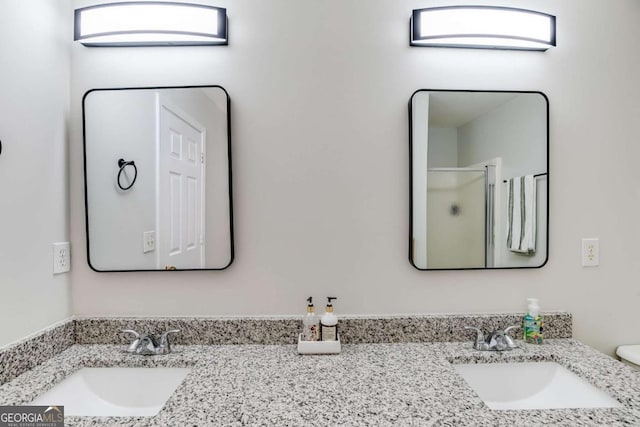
(532, 325)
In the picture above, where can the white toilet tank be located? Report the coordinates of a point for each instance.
(629, 354)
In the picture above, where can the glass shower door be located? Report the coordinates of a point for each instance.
(456, 218)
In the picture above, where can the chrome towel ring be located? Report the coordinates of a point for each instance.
(123, 164)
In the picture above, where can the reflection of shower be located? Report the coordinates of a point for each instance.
(460, 217)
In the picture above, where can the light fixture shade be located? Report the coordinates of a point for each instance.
(485, 27)
(150, 24)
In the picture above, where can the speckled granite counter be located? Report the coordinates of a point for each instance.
(367, 384)
(31, 351)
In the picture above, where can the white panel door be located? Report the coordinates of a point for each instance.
(180, 190)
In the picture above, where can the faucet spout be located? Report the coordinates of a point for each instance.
(149, 345)
(497, 340)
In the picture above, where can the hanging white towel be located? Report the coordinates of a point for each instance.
(521, 210)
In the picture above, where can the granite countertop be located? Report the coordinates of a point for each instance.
(367, 384)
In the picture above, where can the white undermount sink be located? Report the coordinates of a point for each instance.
(114, 391)
(532, 385)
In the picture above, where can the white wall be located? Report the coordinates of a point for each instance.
(319, 96)
(121, 125)
(34, 106)
(515, 131)
(419, 157)
(443, 148)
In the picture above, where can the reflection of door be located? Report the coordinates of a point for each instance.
(180, 190)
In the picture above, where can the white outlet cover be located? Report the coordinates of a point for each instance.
(61, 257)
(590, 252)
(148, 241)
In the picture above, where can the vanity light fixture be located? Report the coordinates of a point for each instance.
(483, 27)
(150, 24)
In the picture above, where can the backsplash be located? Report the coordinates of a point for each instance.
(284, 330)
(32, 351)
(443, 327)
(193, 330)
(35, 349)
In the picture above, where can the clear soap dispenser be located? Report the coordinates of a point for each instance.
(329, 323)
(310, 323)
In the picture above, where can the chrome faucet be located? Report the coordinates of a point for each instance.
(149, 345)
(497, 340)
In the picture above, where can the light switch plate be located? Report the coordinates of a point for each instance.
(590, 252)
(148, 241)
(61, 257)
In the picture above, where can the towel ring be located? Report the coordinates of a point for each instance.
(123, 164)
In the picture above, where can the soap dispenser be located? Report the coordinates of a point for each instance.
(329, 323)
(310, 323)
(533, 326)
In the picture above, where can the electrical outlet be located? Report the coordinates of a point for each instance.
(590, 252)
(148, 241)
(61, 257)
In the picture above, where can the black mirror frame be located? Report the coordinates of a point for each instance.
(411, 179)
(229, 157)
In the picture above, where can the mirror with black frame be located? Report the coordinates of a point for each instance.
(157, 165)
(479, 179)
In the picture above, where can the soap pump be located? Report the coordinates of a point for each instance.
(329, 323)
(533, 326)
(310, 323)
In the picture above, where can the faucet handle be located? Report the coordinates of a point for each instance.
(510, 343)
(479, 343)
(479, 332)
(165, 344)
(506, 331)
(165, 336)
(136, 340)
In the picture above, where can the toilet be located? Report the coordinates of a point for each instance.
(629, 354)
